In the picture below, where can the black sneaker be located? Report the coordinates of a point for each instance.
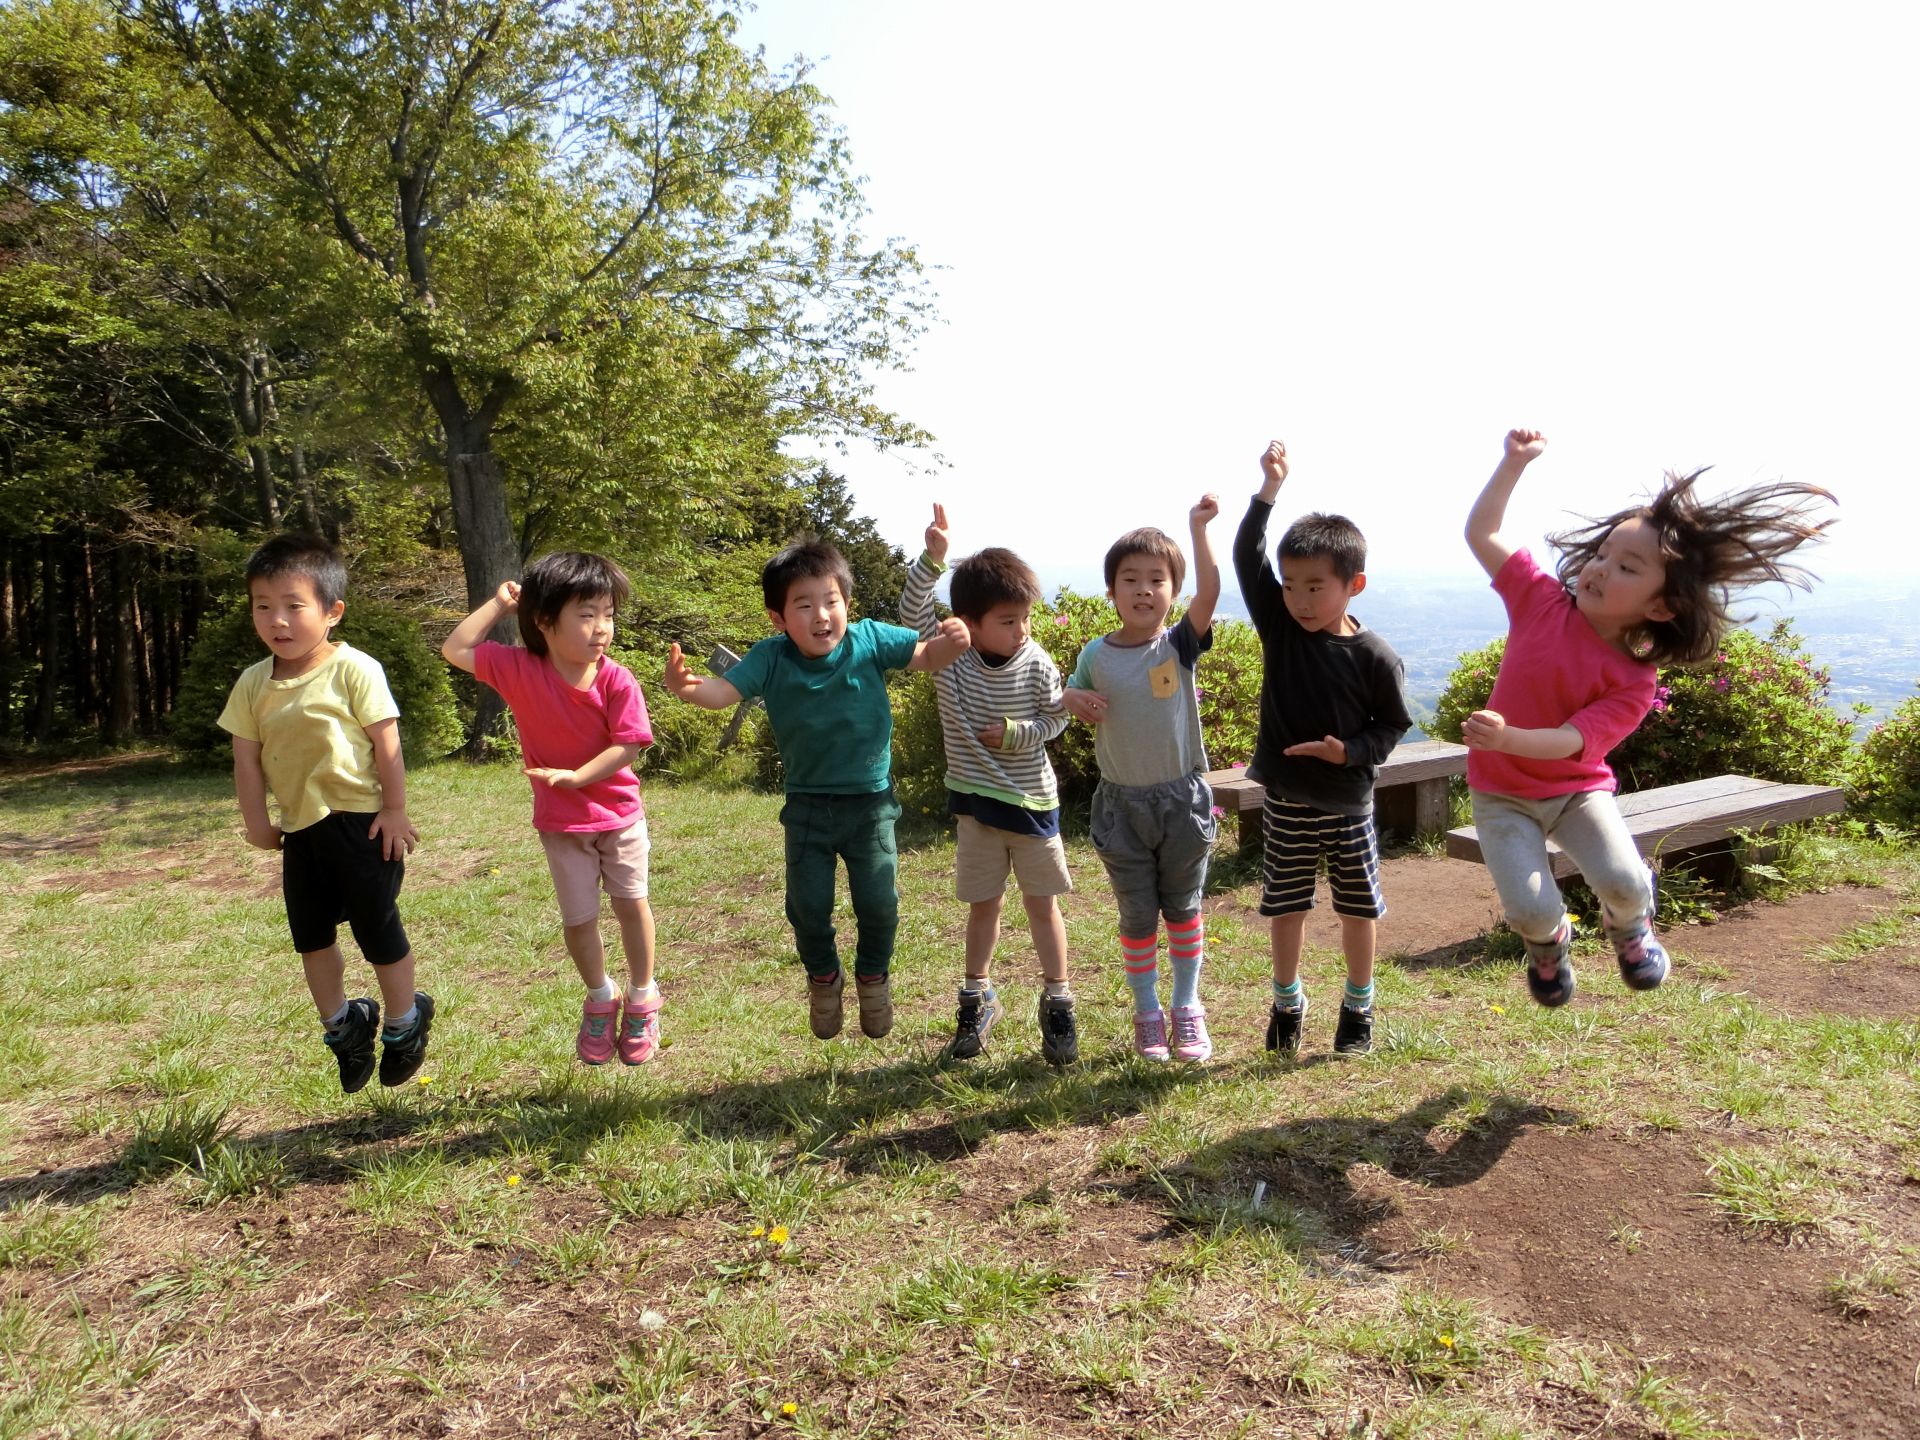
(1556, 987)
(352, 1044)
(1059, 1033)
(403, 1054)
(1283, 1028)
(979, 1013)
(1353, 1035)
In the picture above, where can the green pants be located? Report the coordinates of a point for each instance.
(821, 831)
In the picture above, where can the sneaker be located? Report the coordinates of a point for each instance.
(594, 1043)
(1283, 1027)
(1190, 1039)
(639, 1030)
(876, 1005)
(979, 1013)
(1353, 1034)
(352, 1044)
(823, 1005)
(1643, 959)
(1059, 1032)
(1555, 987)
(1150, 1035)
(403, 1054)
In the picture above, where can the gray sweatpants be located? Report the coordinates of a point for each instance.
(1513, 843)
(1154, 840)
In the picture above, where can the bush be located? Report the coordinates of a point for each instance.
(1884, 783)
(1758, 708)
(225, 644)
(1228, 682)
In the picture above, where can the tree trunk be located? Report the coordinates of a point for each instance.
(488, 553)
(120, 696)
(9, 641)
(85, 669)
(49, 640)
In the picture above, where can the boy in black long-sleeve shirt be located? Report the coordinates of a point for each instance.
(1331, 709)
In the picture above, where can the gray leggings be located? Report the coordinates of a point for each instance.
(1587, 825)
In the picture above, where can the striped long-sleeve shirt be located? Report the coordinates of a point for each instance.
(1023, 691)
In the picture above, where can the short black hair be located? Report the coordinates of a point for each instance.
(804, 560)
(1333, 536)
(992, 577)
(1152, 543)
(299, 553)
(554, 581)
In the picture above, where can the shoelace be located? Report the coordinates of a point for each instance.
(1186, 1029)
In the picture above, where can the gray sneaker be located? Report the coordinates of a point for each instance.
(979, 1013)
(1059, 1034)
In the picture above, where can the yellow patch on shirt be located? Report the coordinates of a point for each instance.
(1165, 679)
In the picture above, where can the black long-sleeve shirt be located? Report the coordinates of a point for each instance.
(1317, 684)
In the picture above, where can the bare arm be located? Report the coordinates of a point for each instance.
(391, 824)
(1489, 547)
(951, 640)
(1206, 569)
(1273, 471)
(467, 635)
(610, 761)
(1488, 730)
(709, 692)
(250, 785)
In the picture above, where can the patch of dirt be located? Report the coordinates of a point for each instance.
(1436, 909)
(222, 872)
(1769, 952)
(1609, 1240)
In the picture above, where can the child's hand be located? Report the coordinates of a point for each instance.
(953, 631)
(507, 597)
(1525, 445)
(1203, 513)
(1087, 705)
(396, 832)
(1486, 729)
(1273, 462)
(559, 779)
(267, 839)
(992, 736)
(1332, 749)
(680, 680)
(937, 537)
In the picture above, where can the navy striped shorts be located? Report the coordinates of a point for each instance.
(1296, 839)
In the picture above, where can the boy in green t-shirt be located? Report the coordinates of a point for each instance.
(316, 725)
(824, 681)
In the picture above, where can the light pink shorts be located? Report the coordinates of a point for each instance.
(983, 856)
(579, 860)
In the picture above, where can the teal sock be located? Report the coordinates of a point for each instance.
(1289, 997)
(399, 1025)
(1358, 997)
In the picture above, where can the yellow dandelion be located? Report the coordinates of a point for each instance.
(1498, 1009)
(513, 1179)
(1447, 1340)
(789, 1408)
(777, 1235)
(426, 1079)
(756, 1232)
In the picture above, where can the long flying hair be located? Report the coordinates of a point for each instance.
(1712, 548)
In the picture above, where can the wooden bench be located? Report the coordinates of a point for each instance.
(1676, 818)
(1409, 793)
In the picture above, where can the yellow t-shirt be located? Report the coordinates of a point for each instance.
(312, 731)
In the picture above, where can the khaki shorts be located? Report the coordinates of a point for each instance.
(579, 860)
(984, 855)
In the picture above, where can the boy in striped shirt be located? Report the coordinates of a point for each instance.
(1000, 703)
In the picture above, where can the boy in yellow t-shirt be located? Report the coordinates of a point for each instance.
(316, 724)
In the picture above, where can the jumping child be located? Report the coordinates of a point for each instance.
(1647, 586)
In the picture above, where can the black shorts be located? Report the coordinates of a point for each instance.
(332, 871)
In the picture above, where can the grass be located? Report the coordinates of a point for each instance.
(880, 1239)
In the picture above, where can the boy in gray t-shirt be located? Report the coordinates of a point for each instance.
(1152, 811)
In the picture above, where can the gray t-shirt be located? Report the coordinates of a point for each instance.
(1152, 731)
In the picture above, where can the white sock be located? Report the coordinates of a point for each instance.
(334, 1019)
(638, 993)
(1059, 990)
(606, 990)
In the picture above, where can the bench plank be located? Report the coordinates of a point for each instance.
(1683, 817)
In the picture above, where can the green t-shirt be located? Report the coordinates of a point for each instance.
(831, 717)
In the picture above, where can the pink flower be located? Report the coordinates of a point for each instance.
(1722, 684)
(1662, 694)
(1059, 619)
(1199, 693)
(1218, 813)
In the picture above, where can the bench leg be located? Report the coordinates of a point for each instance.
(1430, 808)
(1251, 836)
(1393, 810)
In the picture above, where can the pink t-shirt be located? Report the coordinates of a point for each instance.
(562, 728)
(1558, 671)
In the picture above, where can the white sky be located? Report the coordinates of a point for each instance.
(1667, 234)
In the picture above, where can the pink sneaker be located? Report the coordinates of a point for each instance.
(640, 1030)
(594, 1044)
(1150, 1035)
(1190, 1038)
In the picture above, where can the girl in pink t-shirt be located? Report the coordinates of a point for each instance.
(582, 723)
(1645, 587)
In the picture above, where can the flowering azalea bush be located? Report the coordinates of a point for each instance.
(1759, 708)
(1885, 780)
